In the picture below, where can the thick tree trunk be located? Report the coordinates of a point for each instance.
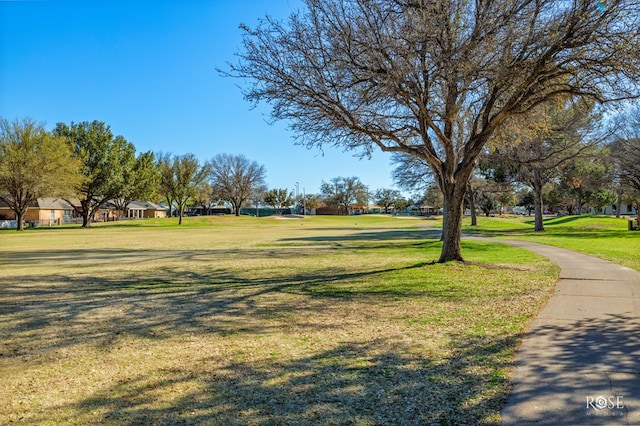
(20, 219)
(452, 223)
(86, 222)
(86, 213)
(537, 203)
(619, 203)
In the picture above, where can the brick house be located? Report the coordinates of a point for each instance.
(45, 211)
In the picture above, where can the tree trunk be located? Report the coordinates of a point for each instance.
(619, 202)
(472, 205)
(537, 203)
(20, 219)
(452, 223)
(579, 203)
(170, 204)
(86, 212)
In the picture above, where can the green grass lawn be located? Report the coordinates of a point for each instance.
(256, 321)
(606, 237)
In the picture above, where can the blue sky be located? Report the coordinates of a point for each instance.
(147, 68)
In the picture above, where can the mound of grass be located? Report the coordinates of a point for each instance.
(230, 320)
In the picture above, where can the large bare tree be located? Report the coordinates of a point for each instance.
(235, 178)
(435, 78)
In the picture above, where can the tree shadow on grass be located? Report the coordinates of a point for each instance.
(367, 383)
(93, 257)
(383, 235)
(55, 311)
(363, 382)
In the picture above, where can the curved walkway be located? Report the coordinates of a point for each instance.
(579, 363)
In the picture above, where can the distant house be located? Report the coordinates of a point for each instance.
(145, 209)
(136, 209)
(56, 211)
(625, 210)
(45, 211)
(358, 209)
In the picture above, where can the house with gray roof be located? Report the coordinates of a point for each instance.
(45, 211)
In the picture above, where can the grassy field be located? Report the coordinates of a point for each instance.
(606, 237)
(263, 321)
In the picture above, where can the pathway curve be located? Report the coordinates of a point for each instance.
(579, 363)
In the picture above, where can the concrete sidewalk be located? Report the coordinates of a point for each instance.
(579, 363)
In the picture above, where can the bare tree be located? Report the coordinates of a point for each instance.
(235, 178)
(435, 78)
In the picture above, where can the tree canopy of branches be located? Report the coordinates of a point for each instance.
(104, 161)
(141, 180)
(411, 173)
(531, 149)
(343, 192)
(435, 78)
(181, 180)
(312, 202)
(385, 197)
(278, 198)
(33, 164)
(625, 154)
(235, 178)
(489, 195)
(584, 181)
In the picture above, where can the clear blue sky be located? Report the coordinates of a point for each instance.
(147, 69)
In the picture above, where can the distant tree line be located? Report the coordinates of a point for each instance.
(87, 165)
(561, 157)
